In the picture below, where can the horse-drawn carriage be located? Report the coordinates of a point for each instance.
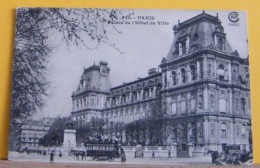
(98, 151)
(106, 151)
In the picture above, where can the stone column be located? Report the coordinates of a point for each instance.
(205, 65)
(198, 70)
(229, 73)
(230, 101)
(187, 44)
(206, 132)
(178, 76)
(180, 49)
(126, 97)
(120, 99)
(178, 104)
(188, 73)
(130, 96)
(205, 96)
(215, 69)
(188, 103)
(141, 94)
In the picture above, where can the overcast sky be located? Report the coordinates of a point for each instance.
(144, 46)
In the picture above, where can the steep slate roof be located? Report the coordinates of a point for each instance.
(200, 29)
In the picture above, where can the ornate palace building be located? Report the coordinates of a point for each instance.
(199, 98)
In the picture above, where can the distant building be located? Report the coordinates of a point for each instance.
(31, 132)
(200, 97)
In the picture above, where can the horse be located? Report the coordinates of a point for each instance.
(76, 154)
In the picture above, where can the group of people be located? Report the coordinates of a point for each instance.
(236, 158)
(169, 154)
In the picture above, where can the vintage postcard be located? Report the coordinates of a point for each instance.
(131, 86)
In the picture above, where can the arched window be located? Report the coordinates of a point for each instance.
(183, 75)
(221, 72)
(223, 129)
(243, 106)
(174, 78)
(193, 72)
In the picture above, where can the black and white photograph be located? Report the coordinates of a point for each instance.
(131, 87)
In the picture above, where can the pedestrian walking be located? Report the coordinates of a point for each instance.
(51, 157)
(153, 155)
(123, 157)
(169, 154)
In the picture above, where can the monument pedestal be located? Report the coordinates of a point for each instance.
(69, 139)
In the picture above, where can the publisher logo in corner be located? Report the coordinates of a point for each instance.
(233, 17)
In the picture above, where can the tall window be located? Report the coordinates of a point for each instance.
(243, 131)
(183, 75)
(223, 105)
(212, 129)
(183, 105)
(243, 106)
(174, 78)
(174, 108)
(184, 47)
(85, 103)
(165, 80)
(221, 72)
(193, 72)
(193, 105)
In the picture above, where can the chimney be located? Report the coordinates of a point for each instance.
(103, 63)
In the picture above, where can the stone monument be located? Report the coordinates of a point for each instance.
(69, 139)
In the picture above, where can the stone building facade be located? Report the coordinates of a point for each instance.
(201, 93)
(31, 132)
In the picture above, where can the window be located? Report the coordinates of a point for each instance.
(85, 103)
(165, 80)
(220, 43)
(223, 105)
(183, 105)
(183, 75)
(174, 78)
(223, 129)
(193, 72)
(183, 147)
(238, 130)
(174, 108)
(212, 130)
(243, 106)
(184, 47)
(193, 105)
(221, 72)
(243, 131)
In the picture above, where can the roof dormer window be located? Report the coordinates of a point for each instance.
(221, 43)
(183, 46)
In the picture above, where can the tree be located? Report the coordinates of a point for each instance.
(55, 134)
(32, 49)
(89, 130)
